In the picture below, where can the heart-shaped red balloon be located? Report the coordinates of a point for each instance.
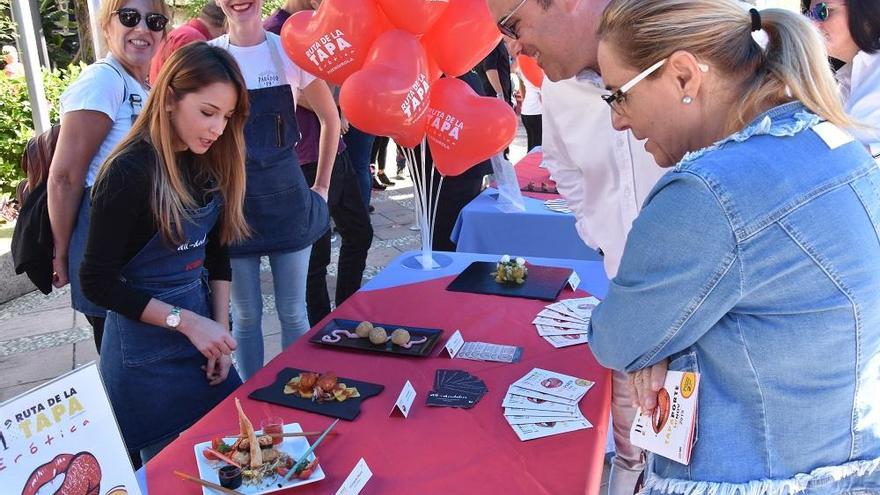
(462, 36)
(414, 16)
(530, 69)
(332, 42)
(434, 71)
(463, 128)
(389, 95)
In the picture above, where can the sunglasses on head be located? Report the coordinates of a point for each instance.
(130, 18)
(818, 12)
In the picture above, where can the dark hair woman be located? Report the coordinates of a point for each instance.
(164, 206)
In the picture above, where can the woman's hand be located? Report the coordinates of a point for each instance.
(343, 122)
(217, 370)
(212, 339)
(322, 191)
(645, 383)
(59, 271)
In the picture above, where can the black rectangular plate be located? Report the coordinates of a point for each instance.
(363, 344)
(347, 409)
(543, 282)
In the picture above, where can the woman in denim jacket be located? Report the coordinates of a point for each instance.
(755, 260)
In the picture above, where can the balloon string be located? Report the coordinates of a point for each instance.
(419, 199)
(413, 171)
(408, 155)
(430, 194)
(426, 205)
(434, 218)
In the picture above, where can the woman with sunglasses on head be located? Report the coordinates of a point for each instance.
(755, 260)
(97, 110)
(285, 215)
(852, 35)
(165, 205)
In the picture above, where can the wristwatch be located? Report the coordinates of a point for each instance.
(172, 321)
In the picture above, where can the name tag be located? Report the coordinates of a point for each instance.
(834, 136)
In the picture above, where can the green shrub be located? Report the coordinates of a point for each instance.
(16, 123)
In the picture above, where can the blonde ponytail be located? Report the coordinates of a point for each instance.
(793, 66)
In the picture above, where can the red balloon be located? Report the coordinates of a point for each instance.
(530, 69)
(462, 37)
(389, 95)
(332, 42)
(434, 71)
(464, 128)
(415, 16)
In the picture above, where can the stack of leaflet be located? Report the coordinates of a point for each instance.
(544, 403)
(564, 323)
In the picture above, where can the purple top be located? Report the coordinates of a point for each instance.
(306, 120)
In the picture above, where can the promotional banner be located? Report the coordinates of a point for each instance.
(62, 438)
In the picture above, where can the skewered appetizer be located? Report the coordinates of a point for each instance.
(251, 459)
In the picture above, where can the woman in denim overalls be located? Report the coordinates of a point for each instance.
(165, 204)
(286, 217)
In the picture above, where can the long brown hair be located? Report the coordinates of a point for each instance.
(792, 67)
(188, 70)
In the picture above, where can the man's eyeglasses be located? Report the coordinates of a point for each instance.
(616, 98)
(818, 12)
(502, 24)
(130, 18)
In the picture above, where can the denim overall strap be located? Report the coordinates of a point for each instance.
(153, 375)
(284, 214)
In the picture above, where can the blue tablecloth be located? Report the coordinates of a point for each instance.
(483, 228)
(405, 270)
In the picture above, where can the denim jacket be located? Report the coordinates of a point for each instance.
(756, 262)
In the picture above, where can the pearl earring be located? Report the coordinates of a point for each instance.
(687, 100)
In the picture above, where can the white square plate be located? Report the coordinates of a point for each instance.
(295, 447)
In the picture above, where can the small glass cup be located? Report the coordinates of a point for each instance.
(273, 425)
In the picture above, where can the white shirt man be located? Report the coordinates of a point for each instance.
(860, 85)
(604, 174)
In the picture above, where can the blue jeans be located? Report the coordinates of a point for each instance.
(289, 271)
(360, 146)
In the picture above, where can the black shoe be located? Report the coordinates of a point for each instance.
(377, 186)
(371, 208)
(384, 179)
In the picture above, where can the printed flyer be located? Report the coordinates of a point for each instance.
(669, 430)
(62, 438)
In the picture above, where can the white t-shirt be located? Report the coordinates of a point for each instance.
(100, 88)
(258, 67)
(532, 104)
(860, 85)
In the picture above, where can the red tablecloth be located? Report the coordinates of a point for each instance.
(435, 450)
(528, 170)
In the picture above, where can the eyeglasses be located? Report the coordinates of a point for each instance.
(130, 18)
(616, 98)
(819, 12)
(502, 24)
